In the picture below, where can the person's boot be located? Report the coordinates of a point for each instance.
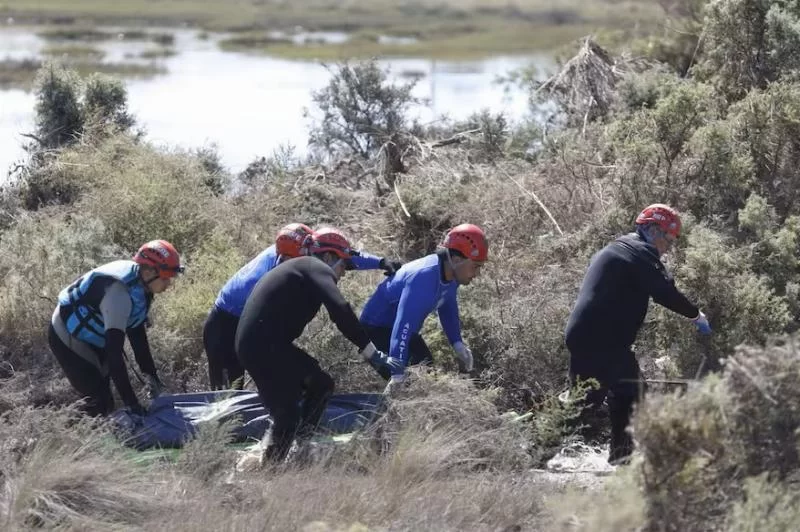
(621, 448)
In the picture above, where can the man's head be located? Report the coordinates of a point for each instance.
(659, 225)
(293, 240)
(467, 251)
(333, 248)
(159, 262)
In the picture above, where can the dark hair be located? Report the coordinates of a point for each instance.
(456, 253)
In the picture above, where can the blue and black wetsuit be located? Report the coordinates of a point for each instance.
(88, 329)
(394, 314)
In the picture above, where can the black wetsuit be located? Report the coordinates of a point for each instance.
(611, 307)
(290, 382)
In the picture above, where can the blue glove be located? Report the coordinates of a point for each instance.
(379, 359)
(701, 322)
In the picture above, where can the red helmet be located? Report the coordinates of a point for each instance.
(162, 256)
(333, 240)
(469, 240)
(662, 215)
(293, 240)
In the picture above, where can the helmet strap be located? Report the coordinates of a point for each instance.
(147, 282)
(450, 262)
(644, 231)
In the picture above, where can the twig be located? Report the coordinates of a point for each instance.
(538, 201)
(455, 139)
(402, 204)
(739, 366)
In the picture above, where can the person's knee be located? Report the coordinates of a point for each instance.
(320, 384)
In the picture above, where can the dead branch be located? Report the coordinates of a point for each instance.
(455, 139)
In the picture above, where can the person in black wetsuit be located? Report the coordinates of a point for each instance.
(611, 307)
(291, 383)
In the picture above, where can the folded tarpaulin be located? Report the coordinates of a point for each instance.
(172, 420)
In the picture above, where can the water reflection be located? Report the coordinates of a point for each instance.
(248, 104)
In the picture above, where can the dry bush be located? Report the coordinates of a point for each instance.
(60, 470)
(444, 424)
(699, 449)
(207, 456)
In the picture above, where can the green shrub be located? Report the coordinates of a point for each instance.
(141, 195)
(41, 254)
(361, 110)
(179, 314)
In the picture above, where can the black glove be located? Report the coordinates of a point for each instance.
(390, 267)
(137, 409)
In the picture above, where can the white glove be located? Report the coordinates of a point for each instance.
(395, 383)
(463, 357)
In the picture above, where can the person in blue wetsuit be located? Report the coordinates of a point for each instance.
(94, 315)
(219, 332)
(394, 315)
(610, 309)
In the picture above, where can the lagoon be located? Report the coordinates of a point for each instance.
(249, 105)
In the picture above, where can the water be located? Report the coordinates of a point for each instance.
(249, 105)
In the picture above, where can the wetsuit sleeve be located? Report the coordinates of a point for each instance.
(339, 309)
(137, 336)
(664, 292)
(413, 307)
(366, 261)
(115, 308)
(448, 317)
(115, 338)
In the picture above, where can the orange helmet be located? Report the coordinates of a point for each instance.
(662, 215)
(333, 240)
(293, 240)
(469, 240)
(162, 256)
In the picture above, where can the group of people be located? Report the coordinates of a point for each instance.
(264, 308)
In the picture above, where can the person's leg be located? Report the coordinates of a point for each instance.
(213, 342)
(625, 391)
(318, 387)
(233, 368)
(589, 385)
(280, 388)
(86, 378)
(219, 339)
(419, 353)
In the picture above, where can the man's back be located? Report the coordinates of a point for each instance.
(284, 301)
(612, 302)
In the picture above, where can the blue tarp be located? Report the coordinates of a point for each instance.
(172, 420)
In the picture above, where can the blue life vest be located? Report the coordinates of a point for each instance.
(80, 301)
